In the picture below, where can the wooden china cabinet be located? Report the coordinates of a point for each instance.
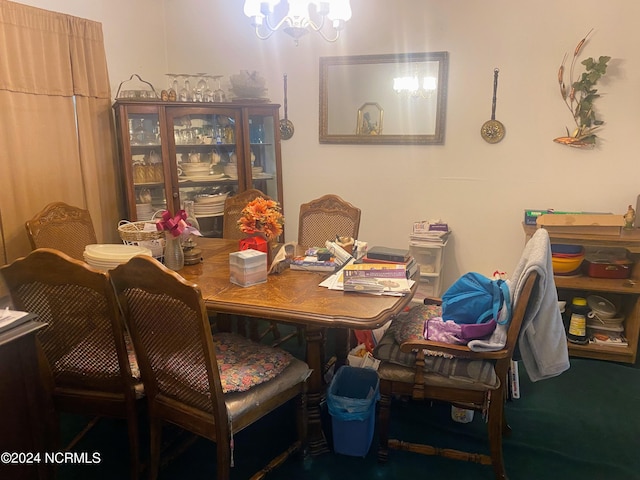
(171, 152)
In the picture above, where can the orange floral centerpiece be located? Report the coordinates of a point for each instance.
(262, 217)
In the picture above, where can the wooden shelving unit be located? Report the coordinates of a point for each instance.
(626, 292)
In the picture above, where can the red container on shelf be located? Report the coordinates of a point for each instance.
(606, 265)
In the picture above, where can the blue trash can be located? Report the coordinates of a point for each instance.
(351, 401)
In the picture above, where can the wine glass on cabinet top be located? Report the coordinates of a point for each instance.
(200, 88)
(173, 84)
(218, 93)
(185, 94)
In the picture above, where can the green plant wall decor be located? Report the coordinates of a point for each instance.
(579, 97)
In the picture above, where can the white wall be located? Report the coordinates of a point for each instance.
(480, 189)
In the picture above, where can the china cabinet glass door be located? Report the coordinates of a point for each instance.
(264, 167)
(264, 147)
(207, 161)
(144, 162)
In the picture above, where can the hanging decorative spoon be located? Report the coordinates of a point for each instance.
(492, 130)
(286, 127)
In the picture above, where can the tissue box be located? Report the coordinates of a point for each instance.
(248, 267)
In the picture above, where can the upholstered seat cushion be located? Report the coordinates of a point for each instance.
(410, 326)
(250, 373)
(239, 403)
(92, 363)
(439, 370)
(242, 363)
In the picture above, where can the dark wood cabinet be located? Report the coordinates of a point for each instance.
(29, 424)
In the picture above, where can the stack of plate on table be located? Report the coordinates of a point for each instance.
(209, 204)
(105, 256)
(144, 211)
(256, 170)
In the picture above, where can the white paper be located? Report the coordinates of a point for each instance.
(7, 317)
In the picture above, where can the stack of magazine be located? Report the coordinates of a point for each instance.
(430, 232)
(376, 278)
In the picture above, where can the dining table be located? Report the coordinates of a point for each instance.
(292, 297)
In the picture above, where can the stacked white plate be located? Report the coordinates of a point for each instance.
(144, 211)
(256, 170)
(209, 204)
(231, 170)
(105, 256)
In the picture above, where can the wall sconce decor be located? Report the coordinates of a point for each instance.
(298, 17)
(580, 96)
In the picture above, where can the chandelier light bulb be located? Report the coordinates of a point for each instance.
(298, 17)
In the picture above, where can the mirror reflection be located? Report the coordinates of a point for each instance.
(383, 99)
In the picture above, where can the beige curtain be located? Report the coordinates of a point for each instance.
(56, 128)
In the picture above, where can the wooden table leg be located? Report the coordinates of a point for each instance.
(317, 440)
(342, 346)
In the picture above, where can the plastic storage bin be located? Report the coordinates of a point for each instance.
(351, 400)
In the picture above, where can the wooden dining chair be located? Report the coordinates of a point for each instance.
(324, 218)
(467, 379)
(233, 207)
(63, 227)
(210, 385)
(91, 369)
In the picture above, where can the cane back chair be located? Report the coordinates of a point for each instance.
(233, 207)
(196, 380)
(63, 227)
(92, 371)
(325, 218)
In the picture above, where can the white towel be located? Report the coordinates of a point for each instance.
(542, 343)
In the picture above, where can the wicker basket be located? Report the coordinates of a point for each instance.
(135, 232)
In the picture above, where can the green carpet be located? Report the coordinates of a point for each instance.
(582, 425)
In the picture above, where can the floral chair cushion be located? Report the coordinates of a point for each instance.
(242, 364)
(410, 326)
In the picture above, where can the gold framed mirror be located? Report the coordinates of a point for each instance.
(410, 89)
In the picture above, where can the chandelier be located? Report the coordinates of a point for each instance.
(298, 17)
